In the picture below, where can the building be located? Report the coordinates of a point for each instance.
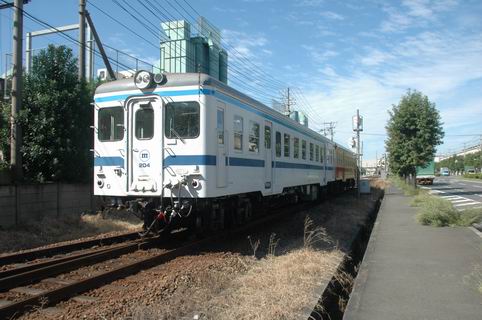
(188, 52)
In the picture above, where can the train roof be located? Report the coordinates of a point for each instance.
(196, 79)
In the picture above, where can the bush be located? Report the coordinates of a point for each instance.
(441, 213)
(408, 190)
(437, 212)
(473, 176)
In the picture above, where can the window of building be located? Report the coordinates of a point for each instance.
(238, 133)
(144, 123)
(296, 146)
(278, 144)
(303, 149)
(287, 145)
(111, 124)
(317, 153)
(182, 120)
(312, 152)
(253, 137)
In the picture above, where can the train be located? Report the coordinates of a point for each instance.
(184, 149)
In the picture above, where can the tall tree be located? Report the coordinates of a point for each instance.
(55, 119)
(414, 130)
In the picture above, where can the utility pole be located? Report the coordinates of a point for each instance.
(16, 132)
(81, 40)
(288, 103)
(329, 128)
(357, 127)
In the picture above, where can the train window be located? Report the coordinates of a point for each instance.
(220, 125)
(144, 124)
(287, 145)
(312, 152)
(267, 137)
(317, 153)
(303, 149)
(322, 152)
(111, 124)
(278, 144)
(238, 133)
(253, 137)
(182, 120)
(296, 145)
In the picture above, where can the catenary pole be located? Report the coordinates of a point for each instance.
(81, 40)
(16, 132)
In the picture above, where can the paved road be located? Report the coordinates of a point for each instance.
(463, 193)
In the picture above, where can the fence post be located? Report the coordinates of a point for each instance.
(16, 204)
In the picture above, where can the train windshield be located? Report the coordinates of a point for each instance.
(182, 120)
(111, 124)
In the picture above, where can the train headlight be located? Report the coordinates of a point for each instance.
(143, 79)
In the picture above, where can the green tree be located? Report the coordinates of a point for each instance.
(55, 119)
(414, 130)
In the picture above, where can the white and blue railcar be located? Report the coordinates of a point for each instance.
(174, 144)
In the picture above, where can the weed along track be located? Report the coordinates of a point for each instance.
(336, 293)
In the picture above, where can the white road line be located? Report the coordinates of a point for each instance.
(466, 204)
(460, 200)
(462, 184)
(450, 197)
(437, 191)
(480, 195)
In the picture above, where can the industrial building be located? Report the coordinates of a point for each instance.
(185, 51)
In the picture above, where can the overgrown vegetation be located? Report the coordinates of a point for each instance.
(408, 189)
(473, 176)
(438, 212)
(461, 163)
(414, 130)
(55, 120)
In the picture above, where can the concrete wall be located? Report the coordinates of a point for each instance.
(26, 202)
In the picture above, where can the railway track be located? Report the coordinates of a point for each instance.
(34, 273)
(33, 254)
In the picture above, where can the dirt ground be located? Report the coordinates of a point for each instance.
(276, 272)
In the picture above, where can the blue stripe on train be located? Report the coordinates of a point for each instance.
(210, 160)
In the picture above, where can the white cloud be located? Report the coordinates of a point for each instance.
(332, 15)
(375, 57)
(319, 56)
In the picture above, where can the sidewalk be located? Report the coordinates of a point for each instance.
(412, 271)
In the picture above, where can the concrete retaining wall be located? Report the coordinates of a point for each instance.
(25, 202)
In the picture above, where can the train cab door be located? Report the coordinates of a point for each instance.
(221, 168)
(144, 146)
(268, 156)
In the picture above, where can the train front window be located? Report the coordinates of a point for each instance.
(182, 120)
(111, 124)
(144, 123)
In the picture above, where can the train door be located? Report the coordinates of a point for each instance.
(221, 169)
(144, 138)
(323, 160)
(268, 157)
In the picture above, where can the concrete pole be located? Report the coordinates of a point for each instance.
(28, 52)
(90, 54)
(81, 40)
(16, 133)
(358, 152)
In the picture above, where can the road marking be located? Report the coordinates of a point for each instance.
(450, 197)
(462, 184)
(437, 191)
(460, 200)
(480, 195)
(466, 204)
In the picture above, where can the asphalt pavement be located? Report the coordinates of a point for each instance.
(463, 193)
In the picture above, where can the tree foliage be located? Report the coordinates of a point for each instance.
(55, 119)
(414, 130)
(459, 163)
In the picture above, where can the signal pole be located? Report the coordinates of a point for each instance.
(329, 128)
(16, 133)
(81, 40)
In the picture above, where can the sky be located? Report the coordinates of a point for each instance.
(336, 56)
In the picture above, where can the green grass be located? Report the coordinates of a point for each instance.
(473, 176)
(408, 190)
(437, 212)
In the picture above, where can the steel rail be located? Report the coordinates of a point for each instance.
(51, 251)
(44, 272)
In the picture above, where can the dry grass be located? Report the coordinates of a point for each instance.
(380, 183)
(51, 230)
(277, 287)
